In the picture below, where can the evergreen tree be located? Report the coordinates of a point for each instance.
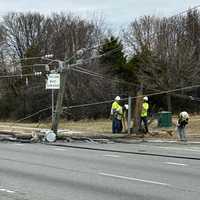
(114, 57)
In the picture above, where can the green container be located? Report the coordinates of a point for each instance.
(164, 119)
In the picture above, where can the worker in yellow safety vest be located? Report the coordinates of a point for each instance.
(116, 114)
(144, 114)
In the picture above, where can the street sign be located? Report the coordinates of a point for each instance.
(53, 81)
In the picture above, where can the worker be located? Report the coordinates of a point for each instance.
(144, 114)
(116, 114)
(183, 119)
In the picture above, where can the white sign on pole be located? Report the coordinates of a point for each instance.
(53, 81)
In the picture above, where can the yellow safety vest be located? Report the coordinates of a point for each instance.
(119, 113)
(145, 107)
(115, 105)
(117, 108)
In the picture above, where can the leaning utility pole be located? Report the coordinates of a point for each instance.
(137, 110)
(64, 66)
(56, 116)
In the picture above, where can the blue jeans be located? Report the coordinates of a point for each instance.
(116, 125)
(181, 133)
(145, 121)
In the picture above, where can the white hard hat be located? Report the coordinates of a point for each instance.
(145, 98)
(126, 106)
(184, 115)
(117, 98)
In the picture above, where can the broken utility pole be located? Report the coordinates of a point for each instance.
(56, 115)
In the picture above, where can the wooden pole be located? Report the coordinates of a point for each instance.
(129, 115)
(137, 110)
(56, 116)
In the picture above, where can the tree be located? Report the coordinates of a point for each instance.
(166, 49)
(114, 56)
(34, 35)
(25, 30)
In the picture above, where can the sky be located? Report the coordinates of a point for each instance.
(116, 12)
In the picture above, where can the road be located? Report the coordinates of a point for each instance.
(37, 171)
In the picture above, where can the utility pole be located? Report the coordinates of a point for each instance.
(63, 68)
(137, 110)
(56, 116)
(129, 115)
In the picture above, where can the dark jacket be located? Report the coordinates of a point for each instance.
(182, 122)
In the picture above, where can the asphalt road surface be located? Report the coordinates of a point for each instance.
(36, 171)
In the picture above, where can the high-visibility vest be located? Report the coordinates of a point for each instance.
(119, 112)
(117, 109)
(115, 105)
(145, 107)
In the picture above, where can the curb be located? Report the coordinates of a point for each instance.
(118, 138)
(155, 141)
(122, 151)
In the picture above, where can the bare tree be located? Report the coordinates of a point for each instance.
(25, 30)
(167, 51)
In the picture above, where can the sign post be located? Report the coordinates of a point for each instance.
(52, 104)
(53, 83)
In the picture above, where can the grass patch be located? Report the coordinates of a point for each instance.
(95, 126)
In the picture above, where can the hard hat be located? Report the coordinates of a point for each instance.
(184, 115)
(117, 98)
(126, 106)
(145, 98)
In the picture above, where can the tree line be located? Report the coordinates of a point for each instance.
(152, 54)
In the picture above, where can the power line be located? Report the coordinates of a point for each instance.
(81, 62)
(171, 91)
(116, 80)
(88, 72)
(109, 101)
(31, 115)
(105, 102)
(135, 97)
(102, 77)
(185, 11)
(17, 75)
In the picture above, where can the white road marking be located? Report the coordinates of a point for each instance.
(185, 149)
(114, 156)
(59, 149)
(178, 164)
(176, 148)
(18, 144)
(134, 179)
(6, 190)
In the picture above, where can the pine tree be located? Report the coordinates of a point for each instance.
(114, 57)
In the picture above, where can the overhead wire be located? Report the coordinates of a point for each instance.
(98, 75)
(17, 75)
(185, 11)
(115, 80)
(31, 115)
(134, 97)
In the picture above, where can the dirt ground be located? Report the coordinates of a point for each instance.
(103, 126)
